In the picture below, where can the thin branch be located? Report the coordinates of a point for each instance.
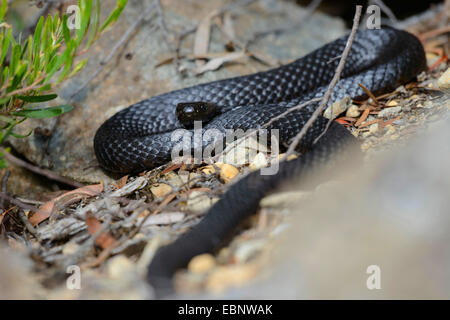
(229, 6)
(4, 190)
(33, 86)
(162, 24)
(327, 94)
(28, 224)
(43, 172)
(30, 201)
(16, 202)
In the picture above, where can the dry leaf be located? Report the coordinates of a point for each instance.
(172, 167)
(164, 218)
(164, 59)
(104, 240)
(64, 200)
(369, 123)
(228, 27)
(388, 122)
(166, 200)
(130, 187)
(216, 63)
(265, 59)
(363, 117)
(369, 93)
(121, 182)
(202, 36)
(342, 121)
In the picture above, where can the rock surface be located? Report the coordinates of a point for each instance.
(444, 81)
(132, 74)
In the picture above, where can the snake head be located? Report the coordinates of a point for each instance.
(188, 112)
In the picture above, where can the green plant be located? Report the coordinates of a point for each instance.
(31, 68)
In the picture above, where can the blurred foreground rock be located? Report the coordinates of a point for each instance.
(16, 281)
(393, 214)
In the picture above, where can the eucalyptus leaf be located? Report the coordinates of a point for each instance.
(37, 36)
(4, 100)
(5, 45)
(41, 98)
(80, 65)
(21, 136)
(120, 5)
(44, 113)
(3, 8)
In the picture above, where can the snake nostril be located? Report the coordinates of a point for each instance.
(188, 112)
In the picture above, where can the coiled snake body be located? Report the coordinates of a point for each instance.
(139, 137)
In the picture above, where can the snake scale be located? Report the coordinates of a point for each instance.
(139, 137)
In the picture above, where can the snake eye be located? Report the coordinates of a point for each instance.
(188, 112)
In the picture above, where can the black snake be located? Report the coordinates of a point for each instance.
(139, 137)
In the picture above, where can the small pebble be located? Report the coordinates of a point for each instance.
(248, 249)
(199, 201)
(390, 129)
(392, 103)
(387, 112)
(338, 107)
(401, 89)
(161, 189)
(260, 161)
(230, 276)
(119, 267)
(209, 169)
(432, 58)
(227, 172)
(186, 176)
(70, 248)
(202, 263)
(444, 81)
(174, 179)
(283, 199)
(373, 128)
(353, 111)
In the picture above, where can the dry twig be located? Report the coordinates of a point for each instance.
(43, 172)
(18, 203)
(327, 94)
(4, 181)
